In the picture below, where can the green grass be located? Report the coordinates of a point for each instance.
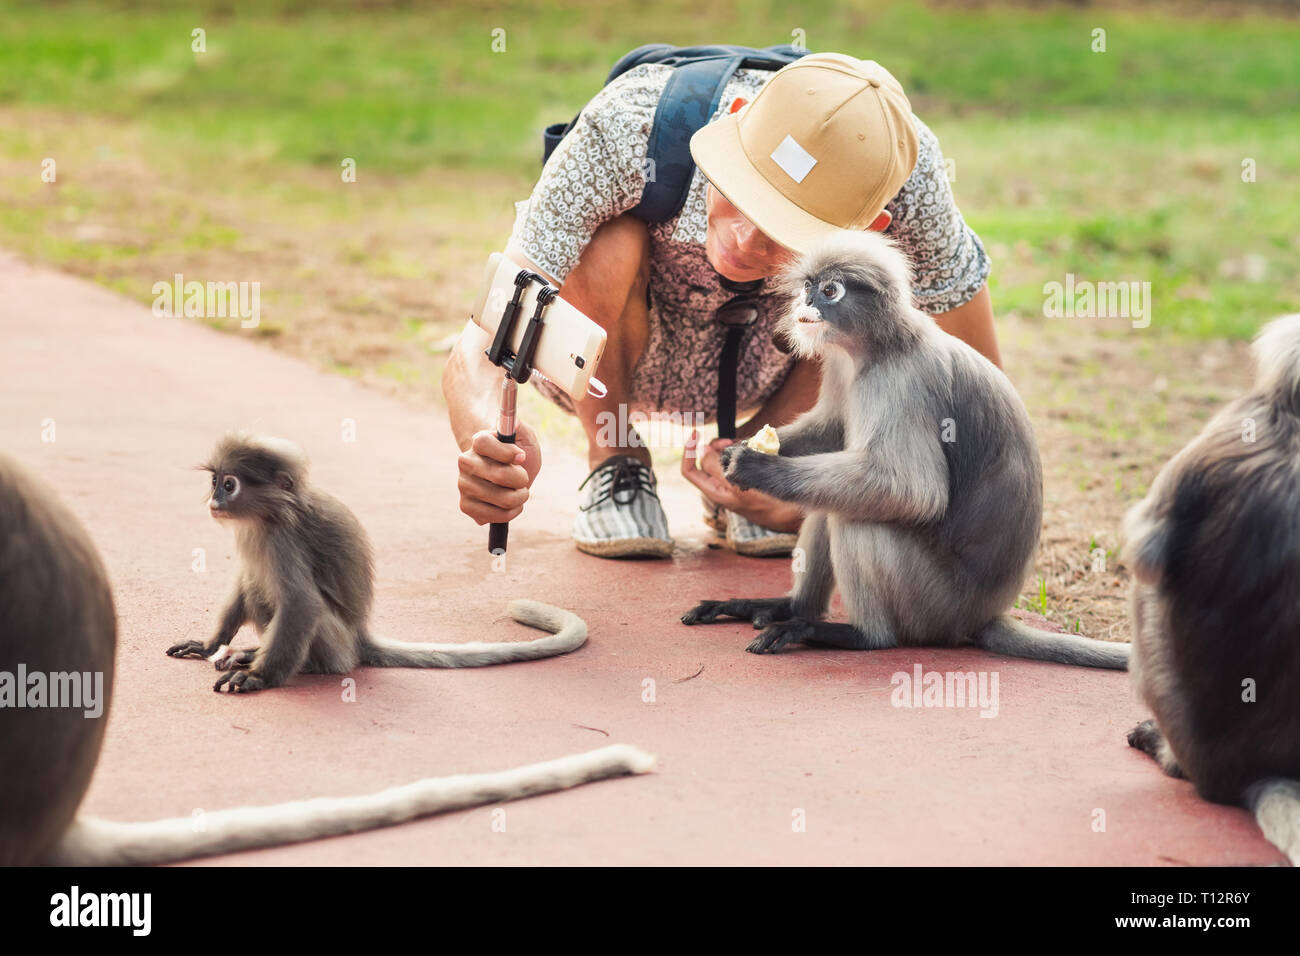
(398, 88)
(1117, 165)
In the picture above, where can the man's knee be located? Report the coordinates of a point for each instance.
(613, 270)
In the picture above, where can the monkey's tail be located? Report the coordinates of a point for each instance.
(91, 842)
(568, 633)
(1006, 635)
(1276, 804)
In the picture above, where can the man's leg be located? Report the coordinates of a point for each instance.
(609, 284)
(619, 514)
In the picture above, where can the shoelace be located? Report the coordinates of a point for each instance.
(619, 475)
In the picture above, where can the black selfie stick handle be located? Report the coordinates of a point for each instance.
(497, 535)
(519, 369)
(500, 530)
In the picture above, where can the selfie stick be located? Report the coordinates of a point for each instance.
(519, 367)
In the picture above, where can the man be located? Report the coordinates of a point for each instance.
(825, 143)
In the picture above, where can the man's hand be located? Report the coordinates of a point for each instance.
(702, 467)
(495, 476)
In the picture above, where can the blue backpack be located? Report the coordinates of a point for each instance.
(689, 100)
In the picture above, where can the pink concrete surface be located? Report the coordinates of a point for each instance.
(744, 746)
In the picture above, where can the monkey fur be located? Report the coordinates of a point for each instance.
(1215, 600)
(917, 470)
(57, 617)
(306, 582)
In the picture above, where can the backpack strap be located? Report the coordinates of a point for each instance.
(689, 99)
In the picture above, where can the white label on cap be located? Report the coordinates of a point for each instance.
(793, 158)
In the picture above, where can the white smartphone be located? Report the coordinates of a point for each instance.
(570, 345)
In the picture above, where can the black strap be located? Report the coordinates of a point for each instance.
(727, 362)
(738, 313)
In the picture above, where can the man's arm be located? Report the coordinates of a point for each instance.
(494, 475)
(950, 268)
(973, 324)
(596, 173)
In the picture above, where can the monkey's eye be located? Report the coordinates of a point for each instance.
(231, 485)
(807, 288)
(833, 290)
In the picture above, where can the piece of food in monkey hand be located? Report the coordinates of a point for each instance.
(766, 441)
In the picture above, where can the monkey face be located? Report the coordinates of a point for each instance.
(244, 494)
(848, 292)
(254, 478)
(224, 502)
(815, 317)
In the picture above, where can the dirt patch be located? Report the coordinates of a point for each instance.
(1109, 409)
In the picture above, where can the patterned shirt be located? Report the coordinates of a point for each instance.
(598, 171)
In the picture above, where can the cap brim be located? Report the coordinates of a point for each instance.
(717, 151)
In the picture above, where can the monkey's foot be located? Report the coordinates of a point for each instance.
(239, 682)
(778, 635)
(1147, 738)
(188, 649)
(762, 611)
(226, 659)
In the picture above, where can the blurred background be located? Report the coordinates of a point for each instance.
(1170, 155)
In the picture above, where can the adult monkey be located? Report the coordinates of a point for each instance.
(835, 145)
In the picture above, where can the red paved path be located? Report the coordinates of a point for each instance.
(136, 400)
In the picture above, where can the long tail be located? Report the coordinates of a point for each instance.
(1276, 804)
(1006, 635)
(90, 842)
(568, 633)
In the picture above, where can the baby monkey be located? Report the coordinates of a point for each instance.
(917, 469)
(306, 582)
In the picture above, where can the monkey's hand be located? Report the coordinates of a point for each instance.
(778, 635)
(746, 468)
(239, 682)
(189, 649)
(761, 611)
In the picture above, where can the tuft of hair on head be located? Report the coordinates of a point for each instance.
(262, 458)
(862, 255)
(1277, 361)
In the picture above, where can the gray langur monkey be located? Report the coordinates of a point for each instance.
(917, 470)
(1215, 600)
(57, 619)
(306, 582)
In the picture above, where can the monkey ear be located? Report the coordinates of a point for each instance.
(1149, 550)
(284, 480)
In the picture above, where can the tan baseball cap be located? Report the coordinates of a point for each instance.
(826, 143)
